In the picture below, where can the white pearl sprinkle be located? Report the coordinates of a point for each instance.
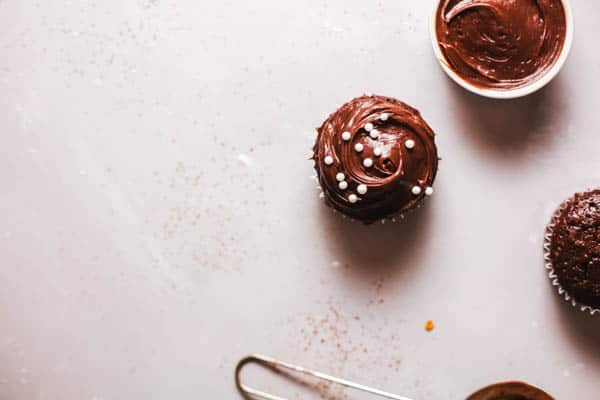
(343, 185)
(429, 191)
(353, 198)
(367, 162)
(369, 127)
(346, 136)
(416, 190)
(384, 116)
(328, 160)
(377, 151)
(340, 177)
(374, 134)
(362, 189)
(410, 144)
(359, 147)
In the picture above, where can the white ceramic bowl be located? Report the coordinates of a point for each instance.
(511, 93)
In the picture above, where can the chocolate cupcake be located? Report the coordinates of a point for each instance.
(375, 157)
(572, 250)
(510, 391)
(502, 44)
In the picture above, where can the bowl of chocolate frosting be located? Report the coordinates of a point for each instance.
(502, 48)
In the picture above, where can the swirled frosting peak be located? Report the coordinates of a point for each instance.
(501, 44)
(375, 157)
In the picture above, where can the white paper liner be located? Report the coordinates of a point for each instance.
(550, 268)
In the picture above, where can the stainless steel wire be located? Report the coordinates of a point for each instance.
(274, 364)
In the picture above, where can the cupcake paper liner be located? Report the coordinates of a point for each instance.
(550, 268)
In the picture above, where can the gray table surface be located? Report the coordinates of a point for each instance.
(159, 220)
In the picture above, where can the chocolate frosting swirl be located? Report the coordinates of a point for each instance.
(501, 44)
(510, 391)
(375, 157)
(575, 247)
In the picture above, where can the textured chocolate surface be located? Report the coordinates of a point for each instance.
(400, 146)
(510, 391)
(501, 44)
(575, 247)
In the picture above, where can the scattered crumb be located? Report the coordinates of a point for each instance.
(429, 326)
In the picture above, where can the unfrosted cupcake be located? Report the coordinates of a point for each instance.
(510, 391)
(572, 250)
(375, 157)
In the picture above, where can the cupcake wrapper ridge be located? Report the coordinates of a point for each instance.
(550, 268)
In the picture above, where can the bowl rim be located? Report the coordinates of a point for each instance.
(511, 93)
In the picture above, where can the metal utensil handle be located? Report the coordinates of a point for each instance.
(273, 363)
